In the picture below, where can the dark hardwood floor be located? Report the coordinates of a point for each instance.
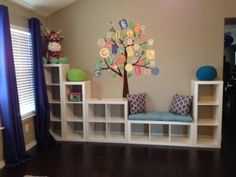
(116, 160)
(110, 160)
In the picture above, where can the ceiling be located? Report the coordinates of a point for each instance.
(43, 7)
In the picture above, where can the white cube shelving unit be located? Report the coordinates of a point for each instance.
(54, 77)
(207, 112)
(67, 118)
(107, 120)
(74, 127)
(160, 133)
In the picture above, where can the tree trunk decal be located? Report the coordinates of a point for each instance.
(125, 52)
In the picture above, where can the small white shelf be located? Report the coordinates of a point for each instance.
(206, 141)
(208, 103)
(1, 128)
(139, 138)
(54, 102)
(159, 138)
(207, 122)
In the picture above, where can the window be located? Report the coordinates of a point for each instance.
(23, 60)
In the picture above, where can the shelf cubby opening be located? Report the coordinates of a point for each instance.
(97, 131)
(208, 94)
(55, 129)
(75, 130)
(52, 75)
(207, 115)
(115, 112)
(139, 132)
(73, 89)
(159, 133)
(116, 131)
(180, 134)
(96, 112)
(74, 112)
(55, 112)
(207, 135)
(53, 92)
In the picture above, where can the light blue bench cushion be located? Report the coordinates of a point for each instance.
(160, 116)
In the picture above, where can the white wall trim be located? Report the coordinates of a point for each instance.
(2, 164)
(30, 145)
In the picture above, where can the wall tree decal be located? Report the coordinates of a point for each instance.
(125, 51)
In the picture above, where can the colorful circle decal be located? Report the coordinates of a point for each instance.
(155, 71)
(104, 53)
(147, 72)
(120, 59)
(129, 67)
(136, 46)
(97, 73)
(130, 33)
(101, 43)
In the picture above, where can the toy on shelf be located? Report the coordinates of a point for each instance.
(76, 75)
(54, 54)
(74, 97)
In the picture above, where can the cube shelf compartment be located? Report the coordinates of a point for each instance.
(52, 74)
(208, 94)
(180, 134)
(208, 115)
(115, 112)
(139, 132)
(55, 129)
(55, 112)
(159, 133)
(75, 131)
(207, 135)
(97, 131)
(116, 131)
(53, 92)
(74, 112)
(73, 88)
(96, 112)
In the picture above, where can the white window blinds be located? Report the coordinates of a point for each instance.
(23, 60)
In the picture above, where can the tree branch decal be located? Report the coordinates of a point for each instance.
(126, 50)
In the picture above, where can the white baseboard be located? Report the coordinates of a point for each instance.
(2, 164)
(30, 145)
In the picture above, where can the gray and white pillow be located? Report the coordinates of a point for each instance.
(136, 103)
(181, 105)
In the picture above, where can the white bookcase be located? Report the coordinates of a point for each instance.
(107, 120)
(67, 118)
(55, 75)
(74, 111)
(207, 112)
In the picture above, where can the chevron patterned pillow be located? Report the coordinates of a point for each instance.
(181, 105)
(136, 103)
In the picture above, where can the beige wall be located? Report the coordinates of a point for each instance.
(18, 17)
(187, 34)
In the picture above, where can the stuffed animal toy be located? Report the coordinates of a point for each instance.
(54, 54)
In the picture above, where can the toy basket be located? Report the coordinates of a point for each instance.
(74, 97)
